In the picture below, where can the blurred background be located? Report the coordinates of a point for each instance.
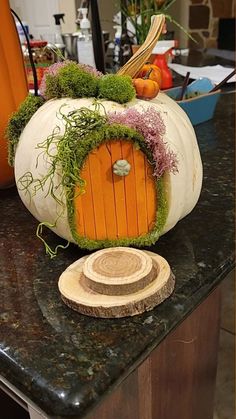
(210, 22)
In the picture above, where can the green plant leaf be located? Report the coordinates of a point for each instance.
(145, 9)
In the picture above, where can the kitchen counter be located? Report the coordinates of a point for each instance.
(64, 363)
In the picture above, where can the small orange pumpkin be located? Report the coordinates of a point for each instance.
(154, 75)
(145, 87)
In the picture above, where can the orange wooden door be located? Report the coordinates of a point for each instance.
(112, 206)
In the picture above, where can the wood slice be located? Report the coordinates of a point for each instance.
(76, 291)
(118, 271)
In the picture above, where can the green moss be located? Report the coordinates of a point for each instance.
(18, 121)
(53, 89)
(116, 88)
(71, 81)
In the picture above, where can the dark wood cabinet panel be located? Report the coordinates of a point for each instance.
(178, 379)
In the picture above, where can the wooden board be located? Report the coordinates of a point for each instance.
(177, 379)
(116, 282)
(119, 189)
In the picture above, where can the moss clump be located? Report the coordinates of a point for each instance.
(71, 81)
(52, 89)
(18, 121)
(68, 79)
(116, 88)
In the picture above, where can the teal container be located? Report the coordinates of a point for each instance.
(201, 106)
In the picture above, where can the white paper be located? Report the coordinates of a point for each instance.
(216, 73)
(162, 47)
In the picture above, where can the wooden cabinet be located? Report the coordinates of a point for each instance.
(177, 380)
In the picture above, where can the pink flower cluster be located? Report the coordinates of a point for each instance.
(151, 126)
(90, 69)
(54, 68)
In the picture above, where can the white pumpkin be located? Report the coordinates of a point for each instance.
(182, 189)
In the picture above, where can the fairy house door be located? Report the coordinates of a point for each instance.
(116, 206)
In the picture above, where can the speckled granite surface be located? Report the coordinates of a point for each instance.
(65, 362)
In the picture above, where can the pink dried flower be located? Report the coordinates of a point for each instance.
(90, 69)
(150, 125)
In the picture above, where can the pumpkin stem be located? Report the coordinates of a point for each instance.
(148, 74)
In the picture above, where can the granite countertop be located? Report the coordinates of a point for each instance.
(65, 362)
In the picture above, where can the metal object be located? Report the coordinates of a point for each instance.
(70, 41)
(98, 45)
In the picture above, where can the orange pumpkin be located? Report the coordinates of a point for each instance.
(154, 75)
(145, 87)
(13, 84)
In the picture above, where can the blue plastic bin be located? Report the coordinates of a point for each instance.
(200, 108)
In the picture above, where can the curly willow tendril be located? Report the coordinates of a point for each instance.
(49, 251)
